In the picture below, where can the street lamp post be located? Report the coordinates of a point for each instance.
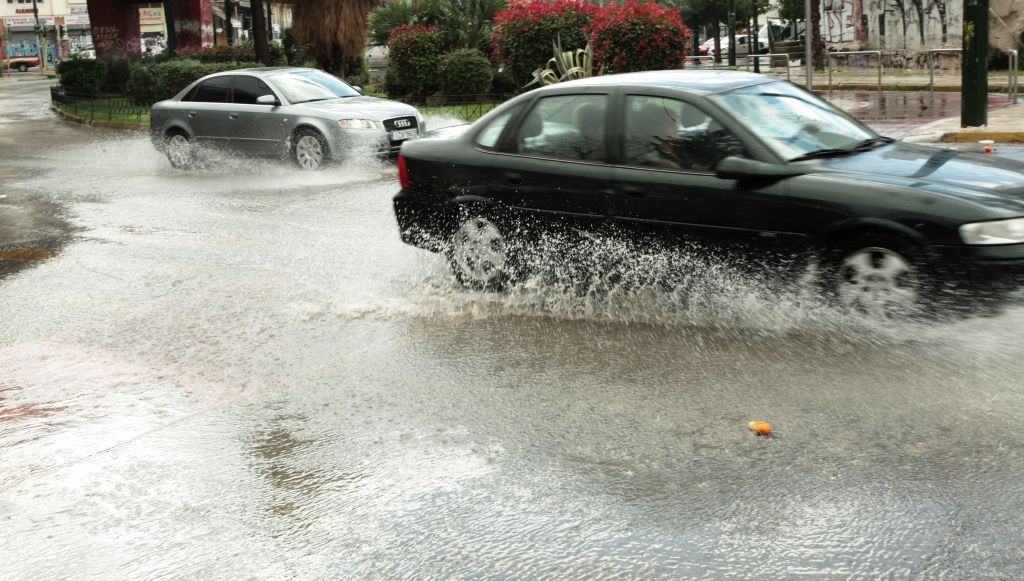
(755, 38)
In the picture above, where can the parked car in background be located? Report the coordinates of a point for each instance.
(22, 63)
(743, 45)
(724, 160)
(302, 113)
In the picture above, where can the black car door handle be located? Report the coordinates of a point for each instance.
(514, 178)
(634, 191)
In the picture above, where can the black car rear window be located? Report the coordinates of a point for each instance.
(248, 89)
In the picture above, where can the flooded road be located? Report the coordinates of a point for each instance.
(241, 372)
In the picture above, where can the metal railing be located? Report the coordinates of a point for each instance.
(1013, 88)
(109, 108)
(769, 56)
(931, 63)
(714, 65)
(830, 55)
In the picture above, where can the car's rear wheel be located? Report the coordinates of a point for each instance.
(309, 150)
(480, 254)
(880, 275)
(23, 67)
(180, 150)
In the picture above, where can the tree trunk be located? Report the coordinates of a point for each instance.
(817, 43)
(259, 33)
(718, 43)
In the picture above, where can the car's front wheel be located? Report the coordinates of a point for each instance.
(881, 275)
(309, 150)
(180, 151)
(480, 254)
(22, 67)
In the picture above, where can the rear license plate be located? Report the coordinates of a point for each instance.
(403, 134)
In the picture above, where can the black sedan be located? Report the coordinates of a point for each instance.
(721, 157)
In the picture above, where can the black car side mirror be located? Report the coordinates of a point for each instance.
(741, 168)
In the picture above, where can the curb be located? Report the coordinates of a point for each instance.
(976, 136)
(94, 123)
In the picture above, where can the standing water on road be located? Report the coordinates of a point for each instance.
(242, 372)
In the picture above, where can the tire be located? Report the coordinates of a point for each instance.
(481, 255)
(881, 275)
(22, 68)
(309, 150)
(180, 150)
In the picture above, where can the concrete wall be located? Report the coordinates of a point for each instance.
(906, 29)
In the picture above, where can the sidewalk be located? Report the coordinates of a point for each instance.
(1005, 125)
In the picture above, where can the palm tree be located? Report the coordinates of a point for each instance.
(335, 30)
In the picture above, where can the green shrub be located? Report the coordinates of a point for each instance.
(116, 79)
(220, 54)
(392, 86)
(415, 56)
(173, 76)
(142, 85)
(465, 72)
(504, 83)
(81, 76)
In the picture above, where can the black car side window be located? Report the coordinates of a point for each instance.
(213, 90)
(565, 127)
(248, 89)
(490, 135)
(670, 134)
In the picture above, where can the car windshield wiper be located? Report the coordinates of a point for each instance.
(865, 145)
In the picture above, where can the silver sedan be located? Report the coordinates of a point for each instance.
(305, 114)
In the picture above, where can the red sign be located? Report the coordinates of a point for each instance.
(24, 11)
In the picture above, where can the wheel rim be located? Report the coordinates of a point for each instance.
(878, 281)
(479, 250)
(179, 150)
(308, 152)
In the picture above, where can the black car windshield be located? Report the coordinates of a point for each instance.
(792, 121)
(305, 86)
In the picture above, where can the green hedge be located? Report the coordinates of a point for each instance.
(81, 76)
(465, 72)
(414, 52)
(155, 82)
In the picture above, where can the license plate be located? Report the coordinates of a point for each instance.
(403, 134)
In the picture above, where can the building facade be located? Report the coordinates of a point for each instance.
(65, 25)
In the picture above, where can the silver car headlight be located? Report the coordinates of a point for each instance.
(999, 232)
(356, 124)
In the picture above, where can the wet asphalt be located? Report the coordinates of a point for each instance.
(240, 371)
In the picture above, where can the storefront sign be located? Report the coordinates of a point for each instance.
(28, 21)
(77, 20)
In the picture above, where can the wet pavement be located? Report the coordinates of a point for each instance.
(241, 372)
(896, 113)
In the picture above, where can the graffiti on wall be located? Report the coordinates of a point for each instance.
(892, 24)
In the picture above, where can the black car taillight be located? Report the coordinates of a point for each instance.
(403, 172)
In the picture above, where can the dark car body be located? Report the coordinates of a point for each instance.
(917, 194)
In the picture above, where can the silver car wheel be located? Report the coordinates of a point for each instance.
(179, 150)
(479, 251)
(309, 153)
(878, 281)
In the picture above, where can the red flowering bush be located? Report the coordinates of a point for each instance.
(523, 32)
(414, 51)
(638, 36)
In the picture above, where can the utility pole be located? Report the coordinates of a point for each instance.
(40, 38)
(808, 55)
(974, 77)
(172, 34)
(732, 33)
(270, 21)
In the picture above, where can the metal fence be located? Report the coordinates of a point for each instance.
(110, 108)
(465, 107)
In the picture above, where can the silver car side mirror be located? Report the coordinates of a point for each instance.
(358, 89)
(267, 100)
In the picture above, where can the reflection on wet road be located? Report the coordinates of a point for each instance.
(241, 372)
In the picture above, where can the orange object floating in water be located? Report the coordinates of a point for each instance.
(988, 149)
(760, 428)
